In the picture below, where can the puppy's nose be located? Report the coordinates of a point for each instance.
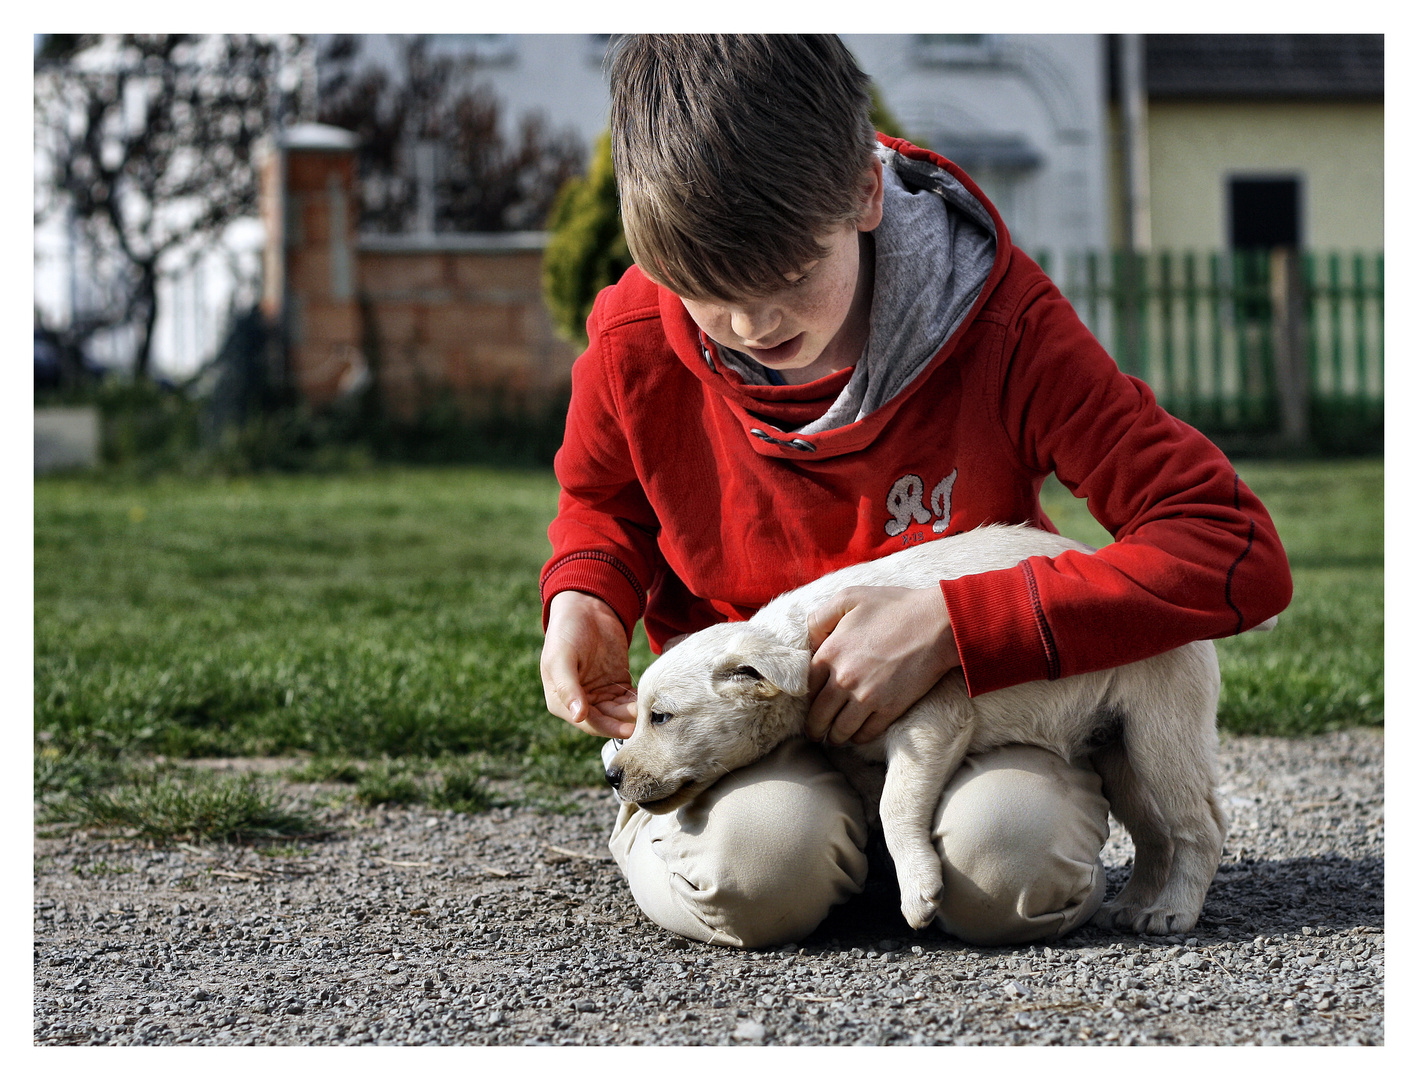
(614, 777)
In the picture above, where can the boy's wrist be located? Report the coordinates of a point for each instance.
(574, 604)
(597, 576)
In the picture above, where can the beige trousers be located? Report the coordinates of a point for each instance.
(759, 858)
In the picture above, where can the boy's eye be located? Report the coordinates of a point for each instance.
(659, 717)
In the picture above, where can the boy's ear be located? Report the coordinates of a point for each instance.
(763, 669)
(873, 191)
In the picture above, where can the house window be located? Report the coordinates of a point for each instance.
(1265, 212)
(947, 50)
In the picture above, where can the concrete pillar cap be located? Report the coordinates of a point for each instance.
(318, 137)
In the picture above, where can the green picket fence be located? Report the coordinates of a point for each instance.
(1245, 343)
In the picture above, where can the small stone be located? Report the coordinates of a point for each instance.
(584, 1005)
(750, 1031)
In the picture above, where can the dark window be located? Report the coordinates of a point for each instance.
(1265, 213)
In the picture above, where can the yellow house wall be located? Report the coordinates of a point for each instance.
(1337, 150)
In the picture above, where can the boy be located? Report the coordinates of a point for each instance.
(828, 350)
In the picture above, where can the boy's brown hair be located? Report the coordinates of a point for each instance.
(735, 154)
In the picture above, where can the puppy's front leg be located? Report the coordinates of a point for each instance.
(923, 750)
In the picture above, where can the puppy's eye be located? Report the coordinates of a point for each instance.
(659, 717)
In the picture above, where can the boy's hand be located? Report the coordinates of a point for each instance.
(586, 666)
(877, 650)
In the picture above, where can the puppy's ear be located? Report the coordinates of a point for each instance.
(762, 668)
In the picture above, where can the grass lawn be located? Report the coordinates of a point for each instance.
(394, 614)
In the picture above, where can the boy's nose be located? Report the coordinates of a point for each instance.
(754, 324)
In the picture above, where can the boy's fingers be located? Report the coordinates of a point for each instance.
(564, 696)
(876, 724)
(824, 620)
(825, 712)
(597, 721)
(846, 725)
(621, 711)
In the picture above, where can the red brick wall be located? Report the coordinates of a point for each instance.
(433, 319)
(465, 323)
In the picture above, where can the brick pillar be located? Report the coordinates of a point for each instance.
(310, 287)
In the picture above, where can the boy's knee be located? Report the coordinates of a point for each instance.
(1019, 831)
(759, 859)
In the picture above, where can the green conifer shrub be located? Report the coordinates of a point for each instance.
(586, 249)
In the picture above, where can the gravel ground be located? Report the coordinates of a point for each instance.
(513, 927)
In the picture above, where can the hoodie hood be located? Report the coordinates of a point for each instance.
(937, 250)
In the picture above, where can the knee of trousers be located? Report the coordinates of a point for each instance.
(1019, 831)
(757, 860)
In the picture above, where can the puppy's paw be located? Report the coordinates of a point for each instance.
(1114, 916)
(1161, 921)
(920, 911)
(1157, 920)
(920, 897)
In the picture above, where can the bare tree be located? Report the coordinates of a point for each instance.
(148, 141)
(487, 179)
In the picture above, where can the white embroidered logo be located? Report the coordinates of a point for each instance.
(906, 504)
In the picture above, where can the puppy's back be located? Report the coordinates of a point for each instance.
(992, 547)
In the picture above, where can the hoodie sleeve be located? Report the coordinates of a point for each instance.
(1195, 554)
(604, 534)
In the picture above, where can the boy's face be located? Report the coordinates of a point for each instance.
(817, 323)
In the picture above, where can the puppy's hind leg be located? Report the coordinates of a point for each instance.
(922, 753)
(1152, 858)
(1170, 741)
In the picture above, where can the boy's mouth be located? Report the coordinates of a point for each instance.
(780, 353)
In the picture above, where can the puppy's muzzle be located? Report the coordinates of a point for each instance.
(615, 776)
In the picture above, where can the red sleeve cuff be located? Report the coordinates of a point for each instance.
(1000, 630)
(602, 576)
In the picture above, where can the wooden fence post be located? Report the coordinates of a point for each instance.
(1292, 369)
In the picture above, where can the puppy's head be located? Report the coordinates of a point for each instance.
(717, 701)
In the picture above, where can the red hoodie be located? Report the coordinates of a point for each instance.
(688, 499)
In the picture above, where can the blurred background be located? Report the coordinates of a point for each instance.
(306, 306)
(361, 237)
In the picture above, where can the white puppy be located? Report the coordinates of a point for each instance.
(723, 697)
